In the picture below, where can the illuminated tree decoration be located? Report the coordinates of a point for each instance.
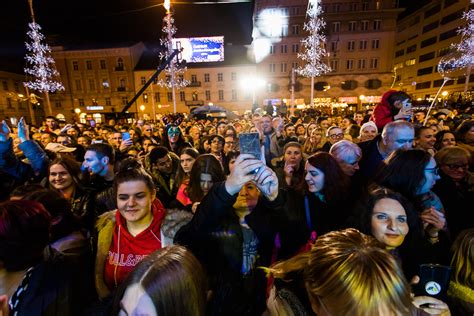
(466, 47)
(313, 45)
(40, 63)
(174, 72)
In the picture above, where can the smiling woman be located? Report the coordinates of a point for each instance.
(129, 234)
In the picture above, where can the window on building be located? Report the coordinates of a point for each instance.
(108, 101)
(89, 64)
(294, 65)
(363, 45)
(295, 29)
(411, 49)
(334, 65)
(221, 95)
(352, 26)
(377, 25)
(352, 6)
(57, 104)
(448, 3)
(448, 34)
(233, 76)
(9, 103)
(364, 25)
(365, 6)
(16, 87)
(400, 52)
(103, 64)
(105, 84)
(78, 84)
(124, 100)
(142, 80)
(283, 67)
(272, 49)
(452, 17)
(375, 43)
(444, 51)
(157, 97)
(350, 45)
(91, 84)
(283, 49)
(373, 84)
(145, 97)
(432, 11)
(349, 85)
(81, 102)
(336, 7)
(220, 76)
(430, 27)
(170, 96)
(234, 95)
(75, 65)
(334, 46)
(272, 67)
(336, 26)
(119, 64)
(425, 71)
(295, 10)
(350, 64)
(423, 85)
(428, 42)
(208, 95)
(284, 11)
(5, 85)
(426, 57)
(182, 96)
(410, 62)
(374, 63)
(295, 48)
(284, 30)
(361, 64)
(207, 77)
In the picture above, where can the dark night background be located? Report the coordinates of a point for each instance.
(82, 22)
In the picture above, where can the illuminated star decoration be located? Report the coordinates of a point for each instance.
(313, 44)
(175, 73)
(41, 64)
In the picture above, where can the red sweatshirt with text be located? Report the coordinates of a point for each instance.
(126, 251)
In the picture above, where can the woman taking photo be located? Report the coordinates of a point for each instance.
(318, 206)
(130, 233)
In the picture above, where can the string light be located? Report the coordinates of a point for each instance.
(466, 46)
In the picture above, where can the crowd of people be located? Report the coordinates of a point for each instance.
(334, 216)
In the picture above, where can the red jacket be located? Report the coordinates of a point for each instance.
(384, 112)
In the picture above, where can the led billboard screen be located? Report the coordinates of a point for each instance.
(201, 49)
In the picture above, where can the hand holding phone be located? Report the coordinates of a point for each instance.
(125, 136)
(250, 144)
(434, 281)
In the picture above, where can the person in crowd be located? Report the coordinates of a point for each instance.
(425, 139)
(310, 128)
(232, 234)
(443, 139)
(173, 139)
(454, 188)
(170, 281)
(147, 145)
(347, 155)
(51, 124)
(333, 135)
(65, 177)
(99, 162)
(368, 131)
(290, 169)
(314, 142)
(230, 161)
(229, 144)
(419, 117)
(465, 138)
(48, 137)
(163, 165)
(300, 130)
(398, 134)
(187, 158)
(461, 287)
(359, 117)
(318, 206)
(206, 171)
(195, 137)
(216, 143)
(34, 279)
(220, 128)
(413, 173)
(395, 105)
(345, 273)
(130, 233)
(84, 141)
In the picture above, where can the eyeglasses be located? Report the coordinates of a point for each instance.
(434, 170)
(336, 136)
(456, 167)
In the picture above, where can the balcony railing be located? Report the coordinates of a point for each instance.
(194, 103)
(194, 84)
(121, 89)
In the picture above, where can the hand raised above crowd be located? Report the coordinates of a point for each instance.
(267, 182)
(4, 131)
(23, 130)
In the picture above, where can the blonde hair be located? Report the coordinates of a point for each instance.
(463, 258)
(352, 274)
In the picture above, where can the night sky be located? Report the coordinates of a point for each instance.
(114, 21)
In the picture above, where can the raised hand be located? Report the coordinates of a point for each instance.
(23, 132)
(4, 131)
(267, 181)
(244, 168)
(433, 220)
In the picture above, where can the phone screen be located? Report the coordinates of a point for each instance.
(434, 281)
(250, 144)
(125, 136)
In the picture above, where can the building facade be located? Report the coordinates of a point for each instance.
(98, 82)
(422, 39)
(359, 41)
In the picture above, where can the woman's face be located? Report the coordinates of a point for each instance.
(248, 196)
(216, 145)
(314, 178)
(448, 140)
(316, 136)
(206, 182)
(311, 128)
(469, 136)
(136, 301)
(134, 201)
(59, 177)
(187, 162)
(231, 164)
(431, 176)
(389, 222)
(368, 133)
(293, 156)
(146, 144)
(456, 170)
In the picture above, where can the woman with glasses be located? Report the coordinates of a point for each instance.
(413, 173)
(333, 134)
(455, 188)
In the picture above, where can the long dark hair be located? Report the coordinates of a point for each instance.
(180, 175)
(404, 172)
(336, 182)
(206, 163)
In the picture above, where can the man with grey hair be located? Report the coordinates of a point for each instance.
(395, 135)
(347, 155)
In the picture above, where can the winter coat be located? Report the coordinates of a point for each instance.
(384, 112)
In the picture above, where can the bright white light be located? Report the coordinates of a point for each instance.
(252, 83)
(261, 48)
(444, 93)
(271, 21)
(167, 4)
(142, 107)
(77, 110)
